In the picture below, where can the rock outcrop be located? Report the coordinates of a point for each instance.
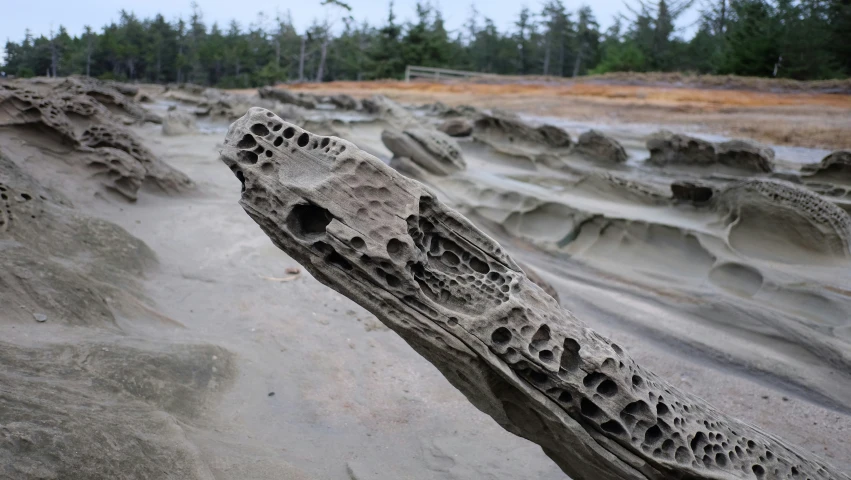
(72, 112)
(178, 123)
(429, 149)
(599, 146)
(512, 136)
(457, 127)
(667, 148)
(457, 298)
(285, 96)
(344, 102)
(835, 167)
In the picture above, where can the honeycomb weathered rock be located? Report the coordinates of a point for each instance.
(457, 298)
(457, 127)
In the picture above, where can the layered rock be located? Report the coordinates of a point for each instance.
(430, 149)
(834, 167)
(456, 297)
(667, 148)
(344, 102)
(512, 136)
(285, 96)
(457, 127)
(115, 156)
(599, 146)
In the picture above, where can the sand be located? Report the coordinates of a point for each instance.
(215, 361)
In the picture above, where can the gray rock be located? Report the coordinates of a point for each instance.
(599, 146)
(456, 297)
(431, 150)
(457, 127)
(285, 96)
(834, 167)
(667, 148)
(40, 317)
(178, 123)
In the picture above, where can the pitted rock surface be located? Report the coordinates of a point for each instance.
(460, 300)
(72, 110)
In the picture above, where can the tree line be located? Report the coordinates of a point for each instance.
(805, 39)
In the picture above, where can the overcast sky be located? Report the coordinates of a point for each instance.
(42, 15)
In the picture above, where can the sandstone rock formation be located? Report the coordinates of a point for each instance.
(457, 127)
(178, 123)
(285, 96)
(345, 102)
(71, 112)
(834, 167)
(429, 149)
(457, 298)
(512, 136)
(599, 146)
(667, 148)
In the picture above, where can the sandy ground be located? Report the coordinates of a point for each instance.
(307, 385)
(351, 400)
(819, 120)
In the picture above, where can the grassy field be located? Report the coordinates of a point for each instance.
(800, 115)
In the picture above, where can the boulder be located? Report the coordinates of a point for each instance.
(178, 123)
(457, 127)
(599, 146)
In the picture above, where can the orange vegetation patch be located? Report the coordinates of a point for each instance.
(709, 99)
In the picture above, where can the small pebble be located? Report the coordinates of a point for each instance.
(40, 317)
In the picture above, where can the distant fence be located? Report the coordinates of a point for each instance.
(438, 73)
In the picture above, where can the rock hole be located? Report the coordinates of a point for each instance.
(247, 142)
(479, 265)
(303, 139)
(758, 470)
(541, 337)
(357, 242)
(325, 142)
(450, 259)
(289, 132)
(26, 196)
(269, 153)
(501, 336)
(653, 435)
(241, 179)
(638, 409)
(246, 157)
(277, 127)
(589, 408)
(342, 148)
(259, 129)
(614, 427)
(546, 355)
(607, 388)
(335, 258)
(565, 397)
(278, 141)
(452, 321)
(538, 377)
(308, 219)
(637, 381)
(570, 359)
(394, 247)
(661, 409)
(269, 114)
(392, 280)
(267, 168)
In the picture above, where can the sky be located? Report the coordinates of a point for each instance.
(40, 16)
